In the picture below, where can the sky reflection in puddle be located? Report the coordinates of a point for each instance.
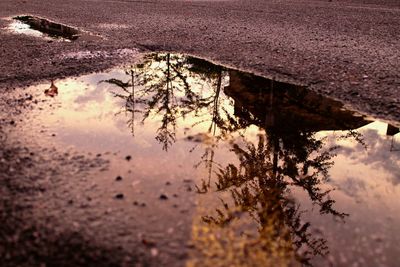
(264, 156)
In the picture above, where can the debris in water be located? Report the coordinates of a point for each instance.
(119, 196)
(163, 197)
(52, 91)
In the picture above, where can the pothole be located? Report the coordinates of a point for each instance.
(259, 156)
(40, 27)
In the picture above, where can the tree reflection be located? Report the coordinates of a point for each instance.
(287, 156)
(163, 89)
(261, 186)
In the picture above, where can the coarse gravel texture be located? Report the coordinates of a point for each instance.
(345, 49)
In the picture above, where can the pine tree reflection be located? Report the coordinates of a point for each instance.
(159, 76)
(287, 156)
(222, 122)
(261, 187)
(162, 88)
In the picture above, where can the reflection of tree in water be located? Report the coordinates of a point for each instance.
(160, 86)
(287, 157)
(261, 186)
(284, 158)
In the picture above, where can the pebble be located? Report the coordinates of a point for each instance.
(118, 178)
(163, 197)
(154, 252)
(119, 196)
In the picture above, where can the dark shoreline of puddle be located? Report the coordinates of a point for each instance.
(264, 157)
(41, 27)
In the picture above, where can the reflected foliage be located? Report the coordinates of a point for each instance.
(261, 187)
(173, 87)
(288, 155)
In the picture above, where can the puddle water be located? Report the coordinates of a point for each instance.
(283, 175)
(44, 28)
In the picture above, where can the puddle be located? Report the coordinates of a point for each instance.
(283, 176)
(40, 27)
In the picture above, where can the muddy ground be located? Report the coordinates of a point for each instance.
(345, 49)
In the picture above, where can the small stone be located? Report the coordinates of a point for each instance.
(154, 252)
(119, 196)
(53, 135)
(128, 158)
(118, 178)
(167, 183)
(135, 203)
(12, 122)
(163, 197)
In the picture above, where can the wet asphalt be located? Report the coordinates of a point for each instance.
(348, 50)
(345, 49)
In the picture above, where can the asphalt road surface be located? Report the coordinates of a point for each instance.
(345, 49)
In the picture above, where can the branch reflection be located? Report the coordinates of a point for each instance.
(288, 154)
